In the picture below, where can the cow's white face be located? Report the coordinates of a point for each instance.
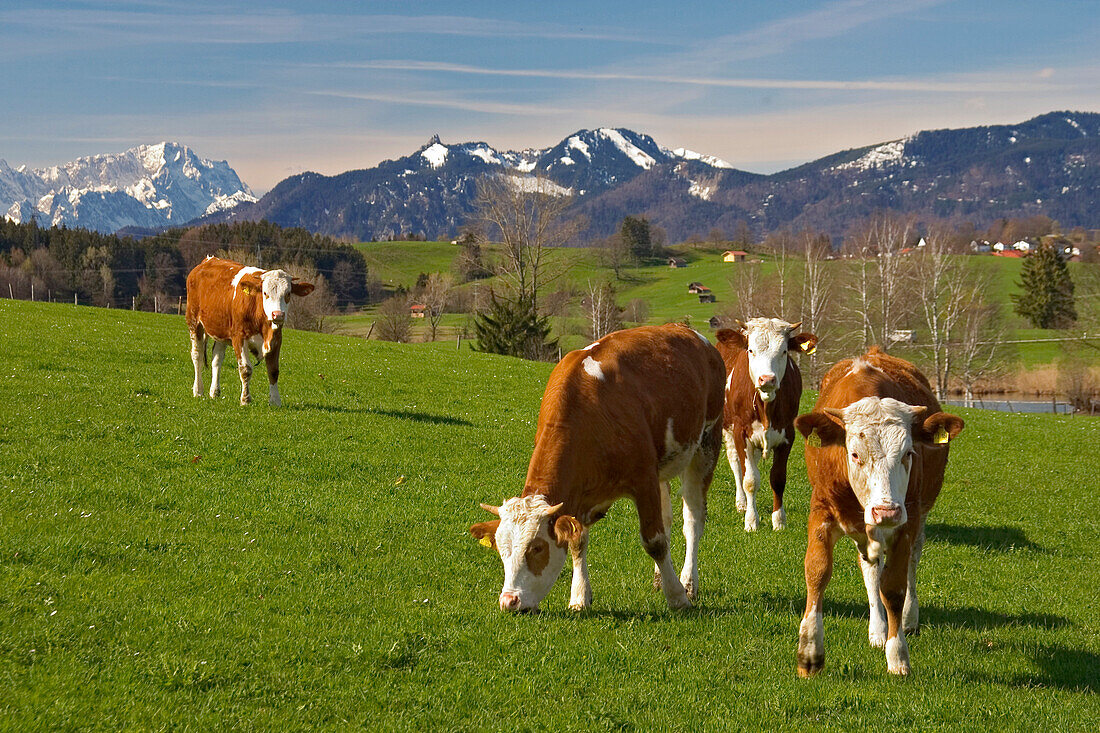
(277, 286)
(768, 341)
(532, 557)
(879, 442)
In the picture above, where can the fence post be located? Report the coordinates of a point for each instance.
(133, 302)
(10, 293)
(179, 306)
(458, 343)
(74, 299)
(32, 290)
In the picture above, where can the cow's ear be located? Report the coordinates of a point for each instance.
(567, 530)
(733, 338)
(301, 289)
(486, 533)
(252, 281)
(939, 427)
(804, 342)
(820, 428)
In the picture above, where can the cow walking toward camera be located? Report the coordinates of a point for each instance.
(876, 450)
(762, 393)
(619, 418)
(242, 306)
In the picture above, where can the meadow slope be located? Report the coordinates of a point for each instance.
(173, 563)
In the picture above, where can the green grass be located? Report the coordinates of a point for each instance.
(167, 562)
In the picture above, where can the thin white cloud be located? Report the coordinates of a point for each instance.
(968, 86)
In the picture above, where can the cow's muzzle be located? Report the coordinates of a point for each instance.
(888, 515)
(511, 602)
(277, 318)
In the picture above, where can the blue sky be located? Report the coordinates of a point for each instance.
(283, 86)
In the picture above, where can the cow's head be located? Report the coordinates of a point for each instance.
(533, 550)
(768, 342)
(276, 287)
(878, 435)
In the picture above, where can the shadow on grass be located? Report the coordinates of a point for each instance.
(1001, 539)
(1064, 668)
(399, 414)
(967, 617)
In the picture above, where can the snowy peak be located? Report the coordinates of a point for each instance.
(146, 186)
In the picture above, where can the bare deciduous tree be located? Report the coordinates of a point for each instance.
(817, 295)
(435, 298)
(876, 288)
(528, 213)
(602, 313)
(394, 322)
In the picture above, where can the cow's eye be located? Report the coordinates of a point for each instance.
(752, 352)
(855, 457)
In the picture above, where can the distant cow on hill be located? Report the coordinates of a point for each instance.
(619, 418)
(762, 393)
(876, 450)
(245, 306)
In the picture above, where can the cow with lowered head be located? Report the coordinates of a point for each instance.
(619, 418)
(242, 306)
(876, 451)
(762, 393)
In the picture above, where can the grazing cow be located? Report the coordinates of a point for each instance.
(245, 306)
(619, 418)
(762, 393)
(876, 450)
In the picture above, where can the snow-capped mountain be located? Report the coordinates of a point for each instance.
(147, 186)
(1048, 165)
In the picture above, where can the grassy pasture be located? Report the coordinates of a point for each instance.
(167, 562)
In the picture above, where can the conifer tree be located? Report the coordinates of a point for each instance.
(514, 328)
(1047, 297)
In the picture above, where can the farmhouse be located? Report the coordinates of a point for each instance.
(417, 310)
(697, 287)
(734, 255)
(677, 262)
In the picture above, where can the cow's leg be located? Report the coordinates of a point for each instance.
(911, 614)
(735, 452)
(751, 483)
(778, 479)
(872, 579)
(895, 577)
(271, 359)
(244, 367)
(822, 536)
(580, 592)
(655, 541)
(217, 356)
(695, 484)
(666, 517)
(198, 357)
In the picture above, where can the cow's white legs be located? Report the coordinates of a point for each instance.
(735, 466)
(694, 494)
(245, 369)
(751, 483)
(217, 356)
(198, 356)
(580, 592)
(872, 579)
(911, 614)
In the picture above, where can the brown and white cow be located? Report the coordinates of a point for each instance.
(619, 418)
(763, 388)
(876, 450)
(243, 306)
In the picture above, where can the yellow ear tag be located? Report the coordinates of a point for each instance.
(808, 347)
(247, 290)
(814, 439)
(941, 435)
(485, 541)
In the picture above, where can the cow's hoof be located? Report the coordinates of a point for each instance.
(877, 639)
(751, 525)
(742, 506)
(657, 580)
(680, 603)
(779, 520)
(809, 666)
(689, 588)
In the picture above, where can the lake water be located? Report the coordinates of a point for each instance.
(1007, 403)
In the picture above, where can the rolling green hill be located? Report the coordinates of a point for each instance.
(171, 562)
(665, 289)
